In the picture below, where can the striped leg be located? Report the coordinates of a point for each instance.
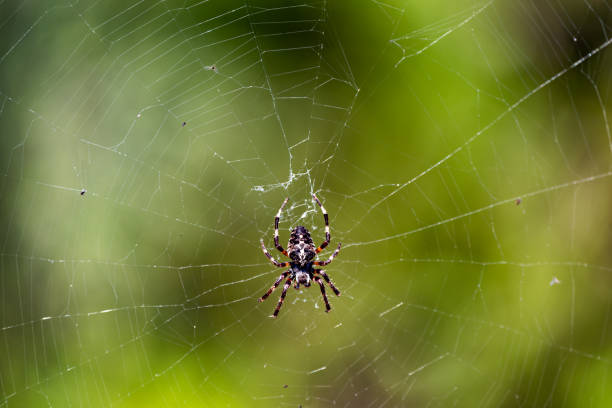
(329, 282)
(276, 220)
(327, 235)
(282, 297)
(278, 281)
(327, 306)
(331, 258)
(274, 261)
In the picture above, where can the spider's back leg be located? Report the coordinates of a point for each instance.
(331, 258)
(327, 234)
(274, 261)
(276, 221)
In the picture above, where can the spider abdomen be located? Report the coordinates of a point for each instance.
(301, 248)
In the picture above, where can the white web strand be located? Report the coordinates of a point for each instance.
(143, 163)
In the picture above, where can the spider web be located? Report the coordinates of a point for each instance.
(463, 152)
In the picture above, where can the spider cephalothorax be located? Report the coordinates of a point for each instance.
(302, 251)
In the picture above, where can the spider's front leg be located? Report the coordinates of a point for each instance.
(282, 297)
(327, 306)
(274, 261)
(329, 282)
(278, 281)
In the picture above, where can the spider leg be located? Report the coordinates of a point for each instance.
(327, 306)
(329, 282)
(274, 261)
(327, 235)
(282, 297)
(331, 258)
(278, 281)
(276, 220)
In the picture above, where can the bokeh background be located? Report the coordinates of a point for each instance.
(462, 149)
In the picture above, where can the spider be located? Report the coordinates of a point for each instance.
(302, 251)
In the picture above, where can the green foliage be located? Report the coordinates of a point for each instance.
(462, 151)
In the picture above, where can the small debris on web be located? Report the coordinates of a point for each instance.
(212, 67)
(554, 281)
(285, 386)
(518, 201)
(184, 123)
(139, 115)
(83, 191)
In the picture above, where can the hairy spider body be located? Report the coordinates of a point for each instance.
(302, 252)
(301, 248)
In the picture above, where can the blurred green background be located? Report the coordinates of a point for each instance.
(462, 149)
